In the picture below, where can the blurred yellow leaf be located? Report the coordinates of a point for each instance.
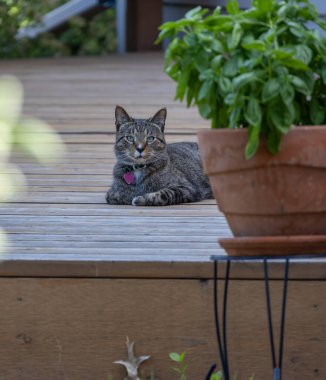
(39, 139)
(31, 135)
(5, 141)
(11, 99)
(11, 178)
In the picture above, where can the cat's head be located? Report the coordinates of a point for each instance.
(139, 141)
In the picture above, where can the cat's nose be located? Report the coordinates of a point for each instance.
(140, 148)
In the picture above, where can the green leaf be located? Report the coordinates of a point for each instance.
(173, 71)
(253, 142)
(205, 89)
(232, 7)
(287, 93)
(255, 45)
(204, 109)
(175, 357)
(205, 36)
(190, 96)
(242, 80)
(182, 356)
(170, 25)
(323, 72)
(193, 13)
(224, 85)
(217, 46)
(322, 24)
(230, 99)
(221, 116)
(250, 64)
(234, 118)
(303, 53)
(297, 30)
(271, 89)
(271, 33)
(309, 79)
(202, 61)
(235, 36)
(214, 120)
(253, 112)
(170, 51)
(190, 39)
(298, 112)
(217, 376)
(163, 34)
(274, 138)
(308, 11)
(206, 75)
(299, 85)
(281, 13)
(295, 64)
(231, 66)
(216, 62)
(281, 117)
(281, 54)
(317, 112)
(182, 84)
(282, 72)
(263, 5)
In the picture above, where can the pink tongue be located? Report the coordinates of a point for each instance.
(129, 177)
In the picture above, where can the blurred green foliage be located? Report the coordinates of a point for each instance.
(95, 36)
(24, 134)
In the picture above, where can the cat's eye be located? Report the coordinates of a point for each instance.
(150, 139)
(130, 138)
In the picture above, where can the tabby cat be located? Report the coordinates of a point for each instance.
(150, 172)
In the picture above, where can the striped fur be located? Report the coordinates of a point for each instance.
(164, 174)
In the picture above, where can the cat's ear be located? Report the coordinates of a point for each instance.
(121, 117)
(159, 118)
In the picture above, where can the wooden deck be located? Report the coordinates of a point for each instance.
(81, 274)
(64, 216)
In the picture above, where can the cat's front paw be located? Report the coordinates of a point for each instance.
(139, 201)
(112, 198)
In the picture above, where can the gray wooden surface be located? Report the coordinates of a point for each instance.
(62, 215)
(60, 225)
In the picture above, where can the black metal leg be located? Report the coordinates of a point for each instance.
(269, 313)
(210, 372)
(285, 288)
(224, 328)
(222, 345)
(221, 334)
(277, 367)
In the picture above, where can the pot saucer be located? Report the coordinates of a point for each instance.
(274, 245)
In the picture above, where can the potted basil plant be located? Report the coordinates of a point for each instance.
(259, 76)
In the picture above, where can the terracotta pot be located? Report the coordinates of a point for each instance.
(269, 195)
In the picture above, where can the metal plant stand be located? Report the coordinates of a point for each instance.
(221, 316)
